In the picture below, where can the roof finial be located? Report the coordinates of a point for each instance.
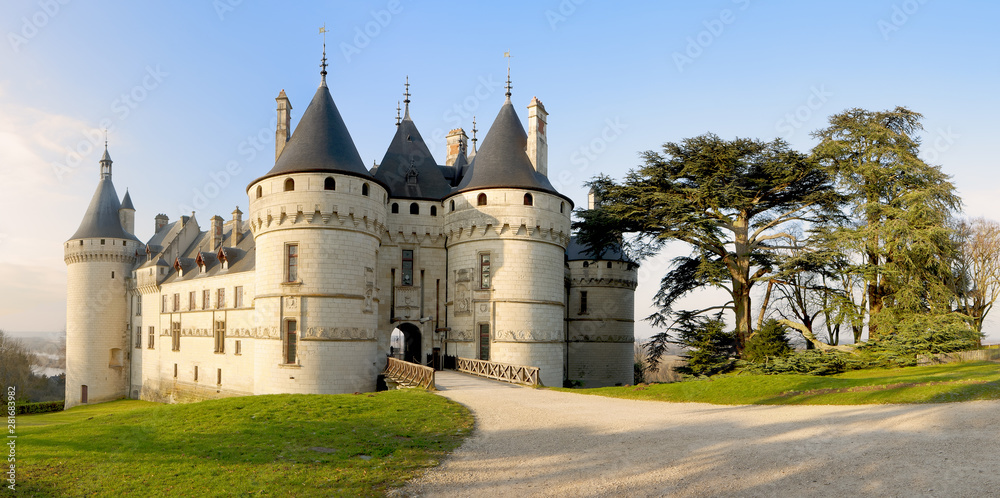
(474, 139)
(397, 113)
(406, 101)
(507, 55)
(322, 31)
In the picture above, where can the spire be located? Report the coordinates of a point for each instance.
(323, 64)
(127, 201)
(507, 55)
(406, 101)
(397, 113)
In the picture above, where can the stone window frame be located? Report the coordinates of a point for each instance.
(206, 299)
(289, 184)
(290, 342)
(175, 336)
(220, 298)
(485, 270)
(404, 271)
(292, 262)
(152, 338)
(219, 334)
(238, 296)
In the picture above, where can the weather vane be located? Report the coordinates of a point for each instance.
(322, 31)
(507, 55)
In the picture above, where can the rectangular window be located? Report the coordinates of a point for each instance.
(138, 337)
(292, 271)
(152, 335)
(163, 308)
(239, 348)
(206, 299)
(407, 275)
(220, 337)
(291, 341)
(83, 391)
(138, 305)
(218, 376)
(220, 301)
(583, 302)
(192, 300)
(196, 373)
(175, 370)
(238, 296)
(484, 341)
(484, 270)
(177, 302)
(175, 336)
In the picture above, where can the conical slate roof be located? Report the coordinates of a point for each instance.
(127, 202)
(408, 167)
(320, 142)
(501, 162)
(101, 218)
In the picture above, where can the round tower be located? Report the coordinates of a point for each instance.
(317, 219)
(600, 317)
(99, 257)
(508, 229)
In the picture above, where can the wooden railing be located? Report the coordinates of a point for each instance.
(500, 371)
(409, 374)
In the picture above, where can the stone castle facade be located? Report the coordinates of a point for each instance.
(473, 258)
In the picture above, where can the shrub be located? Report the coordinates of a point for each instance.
(711, 349)
(768, 342)
(43, 407)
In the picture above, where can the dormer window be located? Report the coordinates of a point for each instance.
(411, 176)
(201, 263)
(289, 185)
(223, 258)
(178, 267)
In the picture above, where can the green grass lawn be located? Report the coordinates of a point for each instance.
(285, 445)
(930, 384)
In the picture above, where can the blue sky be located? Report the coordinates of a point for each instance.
(188, 94)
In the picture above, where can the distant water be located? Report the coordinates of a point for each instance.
(47, 371)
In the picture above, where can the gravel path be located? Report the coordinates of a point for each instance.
(536, 442)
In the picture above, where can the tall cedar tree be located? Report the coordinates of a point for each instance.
(730, 200)
(901, 206)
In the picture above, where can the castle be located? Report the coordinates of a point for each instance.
(473, 258)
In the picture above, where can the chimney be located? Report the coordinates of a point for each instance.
(161, 221)
(538, 146)
(237, 226)
(216, 233)
(456, 143)
(284, 130)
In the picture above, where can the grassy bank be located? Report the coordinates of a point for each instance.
(930, 384)
(294, 445)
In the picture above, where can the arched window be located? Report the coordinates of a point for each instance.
(414, 208)
(329, 183)
(586, 264)
(260, 191)
(364, 190)
(452, 208)
(609, 264)
(434, 210)
(395, 208)
(528, 201)
(481, 200)
(289, 185)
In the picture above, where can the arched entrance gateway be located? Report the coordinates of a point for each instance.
(405, 343)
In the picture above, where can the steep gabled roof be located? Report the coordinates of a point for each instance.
(408, 167)
(320, 143)
(502, 162)
(101, 218)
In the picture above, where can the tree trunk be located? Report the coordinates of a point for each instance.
(739, 270)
